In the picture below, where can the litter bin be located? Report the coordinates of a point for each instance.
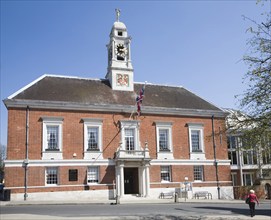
(6, 195)
(1, 192)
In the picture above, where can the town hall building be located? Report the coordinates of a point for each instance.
(72, 137)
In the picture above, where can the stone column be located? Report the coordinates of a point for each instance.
(121, 180)
(143, 180)
(147, 178)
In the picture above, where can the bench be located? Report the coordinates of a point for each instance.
(164, 195)
(204, 194)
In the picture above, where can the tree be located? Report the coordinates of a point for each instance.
(3, 154)
(255, 102)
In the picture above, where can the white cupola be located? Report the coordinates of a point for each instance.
(120, 71)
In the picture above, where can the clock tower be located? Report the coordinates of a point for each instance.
(120, 72)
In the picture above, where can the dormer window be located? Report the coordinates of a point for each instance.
(119, 33)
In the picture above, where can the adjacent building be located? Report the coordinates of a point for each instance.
(72, 137)
(250, 164)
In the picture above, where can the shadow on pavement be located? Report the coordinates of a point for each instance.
(264, 212)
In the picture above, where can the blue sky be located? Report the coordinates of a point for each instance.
(195, 44)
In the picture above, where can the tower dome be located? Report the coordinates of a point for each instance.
(120, 70)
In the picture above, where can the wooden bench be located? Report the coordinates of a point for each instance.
(164, 195)
(204, 194)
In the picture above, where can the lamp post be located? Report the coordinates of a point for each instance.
(215, 160)
(185, 187)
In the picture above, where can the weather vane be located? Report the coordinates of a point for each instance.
(117, 14)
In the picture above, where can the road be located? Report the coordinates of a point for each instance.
(191, 211)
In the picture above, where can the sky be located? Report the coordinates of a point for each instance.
(195, 44)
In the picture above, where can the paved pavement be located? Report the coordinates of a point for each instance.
(123, 201)
(127, 201)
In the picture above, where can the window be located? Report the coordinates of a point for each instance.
(232, 142)
(164, 134)
(93, 175)
(163, 140)
(234, 179)
(129, 138)
(119, 33)
(198, 173)
(51, 175)
(92, 138)
(165, 173)
(196, 142)
(233, 157)
(130, 135)
(52, 137)
(73, 175)
(92, 134)
(249, 157)
(52, 134)
(195, 139)
(248, 179)
(266, 155)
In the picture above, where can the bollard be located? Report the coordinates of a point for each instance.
(176, 197)
(117, 200)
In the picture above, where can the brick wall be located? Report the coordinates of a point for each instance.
(73, 142)
(73, 136)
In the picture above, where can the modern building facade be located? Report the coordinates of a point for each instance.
(250, 164)
(96, 138)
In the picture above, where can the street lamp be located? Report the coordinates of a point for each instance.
(185, 187)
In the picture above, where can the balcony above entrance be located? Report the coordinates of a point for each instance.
(134, 155)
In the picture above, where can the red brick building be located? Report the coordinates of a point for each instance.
(85, 138)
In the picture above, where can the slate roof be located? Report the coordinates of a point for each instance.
(50, 89)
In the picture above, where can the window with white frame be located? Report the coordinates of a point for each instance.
(232, 142)
(51, 175)
(52, 137)
(130, 135)
(198, 173)
(165, 173)
(163, 140)
(195, 141)
(164, 136)
(234, 179)
(92, 134)
(266, 155)
(52, 134)
(266, 149)
(249, 157)
(93, 174)
(232, 157)
(196, 137)
(248, 179)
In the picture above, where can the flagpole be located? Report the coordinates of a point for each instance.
(139, 99)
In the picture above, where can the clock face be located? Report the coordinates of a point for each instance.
(122, 79)
(121, 50)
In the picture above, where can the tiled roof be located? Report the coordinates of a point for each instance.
(97, 92)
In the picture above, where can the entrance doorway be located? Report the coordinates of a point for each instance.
(131, 181)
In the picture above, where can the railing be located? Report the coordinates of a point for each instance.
(134, 154)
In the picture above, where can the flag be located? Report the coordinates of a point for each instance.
(139, 99)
